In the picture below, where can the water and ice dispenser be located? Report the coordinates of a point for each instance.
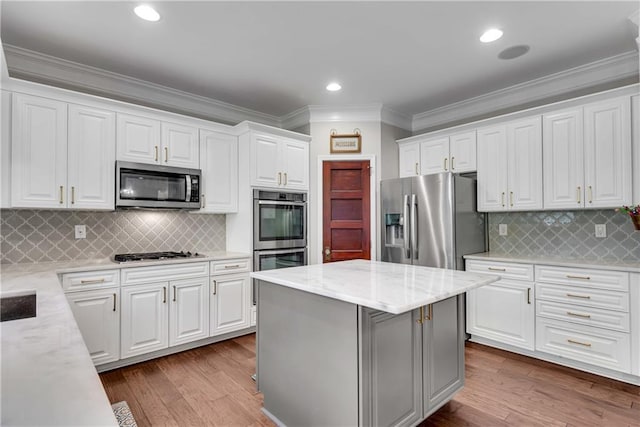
(393, 229)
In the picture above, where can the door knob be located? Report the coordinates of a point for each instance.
(327, 253)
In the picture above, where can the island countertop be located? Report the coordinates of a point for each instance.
(393, 288)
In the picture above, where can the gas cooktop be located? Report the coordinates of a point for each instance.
(154, 256)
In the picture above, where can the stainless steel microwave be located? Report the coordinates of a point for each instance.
(139, 185)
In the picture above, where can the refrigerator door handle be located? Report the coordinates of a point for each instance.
(414, 226)
(405, 227)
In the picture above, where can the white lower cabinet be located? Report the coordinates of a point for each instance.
(229, 299)
(503, 311)
(145, 319)
(188, 311)
(97, 313)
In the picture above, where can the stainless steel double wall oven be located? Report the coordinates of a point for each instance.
(279, 230)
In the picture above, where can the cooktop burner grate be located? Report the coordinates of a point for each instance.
(150, 256)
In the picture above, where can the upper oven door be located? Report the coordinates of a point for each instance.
(279, 224)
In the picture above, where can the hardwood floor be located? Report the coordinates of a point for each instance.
(212, 386)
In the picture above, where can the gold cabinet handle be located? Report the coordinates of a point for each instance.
(164, 294)
(88, 282)
(579, 296)
(430, 315)
(585, 316)
(578, 193)
(586, 344)
(61, 194)
(279, 178)
(511, 198)
(156, 147)
(232, 266)
(497, 269)
(445, 164)
(452, 158)
(285, 178)
(569, 276)
(73, 195)
(114, 302)
(215, 287)
(590, 195)
(502, 199)
(203, 203)
(528, 295)
(175, 294)
(417, 171)
(420, 319)
(166, 154)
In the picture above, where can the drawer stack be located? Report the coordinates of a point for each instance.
(583, 315)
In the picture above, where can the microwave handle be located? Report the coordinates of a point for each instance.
(188, 181)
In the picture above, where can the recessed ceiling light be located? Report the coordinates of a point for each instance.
(491, 35)
(332, 87)
(147, 13)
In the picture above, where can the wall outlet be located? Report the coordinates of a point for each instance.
(502, 229)
(601, 230)
(81, 231)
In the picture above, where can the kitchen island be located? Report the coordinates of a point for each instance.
(360, 342)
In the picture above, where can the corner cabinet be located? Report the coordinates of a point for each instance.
(62, 155)
(219, 164)
(279, 162)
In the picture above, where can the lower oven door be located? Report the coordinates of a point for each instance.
(281, 258)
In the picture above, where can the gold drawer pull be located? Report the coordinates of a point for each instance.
(579, 296)
(445, 164)
(156, 149)
(452, 159)
(87, 282)
(215, 287)
(578, 194)
(585, 316)
(420, 320)
(232, 266)
(166, 154)
(497, 269)
(417, 171)
(586, 344)
(502, 199)
(569, 276)
(61, 194)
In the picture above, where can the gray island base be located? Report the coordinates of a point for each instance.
(328, 361)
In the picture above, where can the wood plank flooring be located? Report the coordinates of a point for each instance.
(212, 386)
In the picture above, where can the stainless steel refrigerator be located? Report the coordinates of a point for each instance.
(431, 220)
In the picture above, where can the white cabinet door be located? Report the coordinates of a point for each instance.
(5, 150)
(607, 149)
(409, 159)
(138, 139)
(563, 154)
(38, 153)
(635, 149)
(180, 146)
(434, 156)
(145, 317)
(503, 311)
(264, 161)
(229, 303)
(219, 164)
(492, 169)
(97, 314)
(524, 164)
(294, 160)
(189, 310)
(91, 156)
(462, 151)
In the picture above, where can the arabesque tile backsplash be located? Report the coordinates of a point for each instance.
(48, 235)
(567, 234)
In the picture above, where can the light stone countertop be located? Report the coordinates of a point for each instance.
(394, 288)
(48, 377)
(632, 267)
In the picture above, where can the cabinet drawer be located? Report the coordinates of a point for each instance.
(506, 270)
(614, 280)
(163, 273)
(86, 280)
(587, 297)
(229, 266)
(591, 316)
(609, 349)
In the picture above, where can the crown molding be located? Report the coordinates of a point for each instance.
(296, 119)
(635, 17)
(30, 65)
(396, 118)
(607, 70)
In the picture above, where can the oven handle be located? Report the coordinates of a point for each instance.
(273, 202)
(280, 251)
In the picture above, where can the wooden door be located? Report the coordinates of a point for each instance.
(346, 211)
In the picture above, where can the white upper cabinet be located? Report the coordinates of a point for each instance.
(279, 162)
(219, 164)
(409, 157)
(38, 153)
(462, 151)
(91, 158)
(587, 156)
(146, 140)
(510, 166)
(635, 136)
(180, 146)
(434, 156)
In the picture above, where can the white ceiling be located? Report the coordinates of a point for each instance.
(275, 57)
